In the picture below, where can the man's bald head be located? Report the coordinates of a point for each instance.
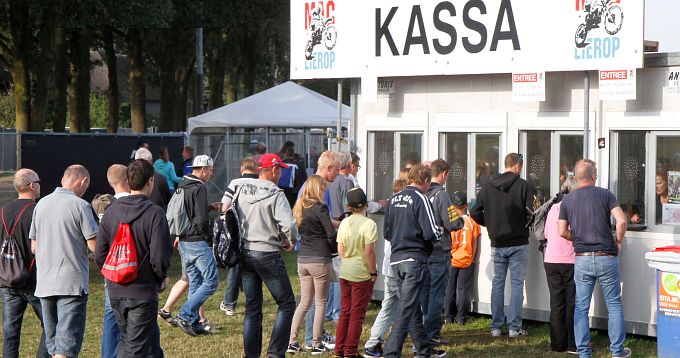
(584, 173)
(23, 179)
(76, 178)
(117, 177)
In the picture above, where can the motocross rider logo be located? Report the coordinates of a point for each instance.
(321, 29)
(596, 13)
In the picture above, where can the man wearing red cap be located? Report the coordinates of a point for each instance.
(267, 227)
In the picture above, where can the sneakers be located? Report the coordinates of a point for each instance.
(166, 317)
(227, 310)
(315, 351)
(328, 341)
(186, 327)
(495, 332)
(293, 348)
(375, 351)
(627, 352)
(517, 333)
(436, 353)
(205, 327)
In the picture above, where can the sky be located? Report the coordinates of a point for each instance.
(662, 23)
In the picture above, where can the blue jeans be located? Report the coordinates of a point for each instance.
(606, 270)
(200, 264)
(14, 303)
(409, 319)
(266, 267)
(432, 297)
(233, 287)
(386, 315)
(64, 320)
(504, 258)
(110, 331)
(333, 306)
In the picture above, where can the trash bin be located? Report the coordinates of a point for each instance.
(666, 261)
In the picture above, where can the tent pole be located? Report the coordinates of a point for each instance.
(338, 130)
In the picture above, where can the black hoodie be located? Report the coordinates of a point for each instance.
(196, 204)
(503, 206)
(150, 231)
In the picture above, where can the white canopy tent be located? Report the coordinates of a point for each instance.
(288, 105)
(288, 112)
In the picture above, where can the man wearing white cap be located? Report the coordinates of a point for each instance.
(194, 247)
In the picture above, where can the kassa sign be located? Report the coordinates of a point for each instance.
(382, 38)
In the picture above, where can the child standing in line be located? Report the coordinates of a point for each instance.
(385, 317)
(356, 245)
(463, 250)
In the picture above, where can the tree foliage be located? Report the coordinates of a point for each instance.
(47, 47)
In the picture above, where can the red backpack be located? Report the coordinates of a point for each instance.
(121, 263)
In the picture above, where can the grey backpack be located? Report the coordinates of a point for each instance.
(178, 218)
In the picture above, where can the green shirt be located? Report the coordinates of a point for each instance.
(354, 234)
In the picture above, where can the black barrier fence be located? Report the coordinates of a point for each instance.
(49, 154)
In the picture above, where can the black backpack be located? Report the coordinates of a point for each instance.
(227, 240)
(13, 271)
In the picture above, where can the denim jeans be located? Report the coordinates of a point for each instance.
(385, 317)
(606, 270)
(457, 297)
(14, 303)
(504, 258)
(136, 319)
(110, 331)
(334, 304)
(409, 319)
(266, 267)
(432, 297)
(200, 264)
(233, 287)
(64, 320)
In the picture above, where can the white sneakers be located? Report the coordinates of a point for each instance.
(512, 333)
(625, 354)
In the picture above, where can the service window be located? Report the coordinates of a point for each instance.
(388, 153)
(645, 176)
(549, 158)
(474, 159)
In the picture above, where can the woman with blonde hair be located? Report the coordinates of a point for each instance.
(314, 260)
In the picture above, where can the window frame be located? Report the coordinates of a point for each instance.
(651, 142)
(396, 152)
(471, 154)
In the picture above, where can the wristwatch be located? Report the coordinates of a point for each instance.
(374, 274)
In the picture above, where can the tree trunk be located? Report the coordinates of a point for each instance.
(44, 74)
(184, 76)
(79, 85)
(113, 93)
(60, 80)
(17, 13)
(137, 90)
(170, 40)
(232, 94)
(216, 71)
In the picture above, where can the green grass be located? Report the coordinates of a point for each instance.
(471, 340)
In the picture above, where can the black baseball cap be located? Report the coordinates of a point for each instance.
(356, 198)
(459, 198)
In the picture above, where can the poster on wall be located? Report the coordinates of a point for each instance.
(673, 82)
(528, 87)
(674, 187)
(388, 38)
(617, 85)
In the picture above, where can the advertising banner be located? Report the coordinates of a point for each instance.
(346, 38)
(528, 87)
(617, 85)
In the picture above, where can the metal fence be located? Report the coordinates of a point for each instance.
(228, 147)
(8, 150)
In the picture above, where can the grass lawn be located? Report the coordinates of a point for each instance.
(471, 340)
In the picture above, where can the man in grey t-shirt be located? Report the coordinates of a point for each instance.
(338, 188)
(63, 229)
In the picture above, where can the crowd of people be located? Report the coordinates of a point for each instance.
(430, 250)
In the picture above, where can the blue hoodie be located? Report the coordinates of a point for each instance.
(168, 171)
